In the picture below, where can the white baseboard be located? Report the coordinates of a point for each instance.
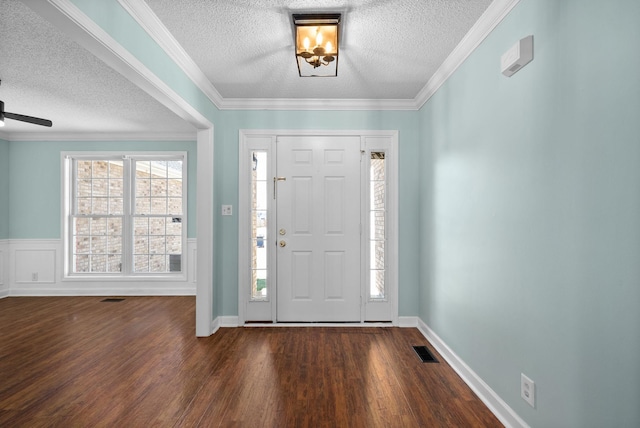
(498, 407)
(407, 322)
(228, 321)
(215, 326)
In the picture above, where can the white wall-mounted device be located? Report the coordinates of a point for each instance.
(517, 57)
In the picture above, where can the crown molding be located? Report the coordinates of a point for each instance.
(316, 104)
(98, 136)
(489, 20)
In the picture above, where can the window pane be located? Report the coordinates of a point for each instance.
(174, 169)
(114, 244)
(143, 206)
(84, 206)
(141, 245)
(377, 195)
(158, 205)
(143, 169)
(260, 165)
(159, 169)
(84, 188)
(100, 187)
(156, 245)
(174, 226)
(98, 245)
(175, 206)
(116, 206)
(100, 170)
(98, 226)
(377, 255)
(82, 245)
(143, 187)
(81, 264)
(115, 263)
(84, 169)
(159, 188)
(116, 169)
(141, 263)
(156, 226)
(99, 263)
(116, 188)
(376, 287)
(81, 226)
(377, 224)
(157, 263)
(259, 284)
(174, 244)
(141, 226)
(174, 187)
(99, 205)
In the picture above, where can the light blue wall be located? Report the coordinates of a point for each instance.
(531, 209)
(4, 189)
(226, 187)
(35, 187)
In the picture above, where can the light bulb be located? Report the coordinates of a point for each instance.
(319, 39)
(306, 43)
(329, 47)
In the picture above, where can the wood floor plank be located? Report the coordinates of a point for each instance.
(80, 362)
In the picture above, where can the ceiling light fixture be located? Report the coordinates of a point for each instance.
(316, 41)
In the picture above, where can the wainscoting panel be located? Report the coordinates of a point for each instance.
(31, 267)
(4, 272)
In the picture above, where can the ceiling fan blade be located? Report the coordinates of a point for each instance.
(30, 119)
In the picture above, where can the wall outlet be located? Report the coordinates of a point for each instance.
(227, 210)
(34, 276)
(528, 390)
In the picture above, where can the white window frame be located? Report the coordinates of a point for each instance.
(69, 181)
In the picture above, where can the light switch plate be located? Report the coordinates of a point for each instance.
(227, 210)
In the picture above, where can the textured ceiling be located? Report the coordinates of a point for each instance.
(45, 74)
(389, 48)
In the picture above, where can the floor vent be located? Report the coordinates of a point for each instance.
(111, 299)
(424, 354)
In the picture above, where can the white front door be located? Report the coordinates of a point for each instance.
(317, 191)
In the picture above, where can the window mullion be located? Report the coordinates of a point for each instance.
(127, 223)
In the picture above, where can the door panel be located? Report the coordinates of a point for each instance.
(318, 209)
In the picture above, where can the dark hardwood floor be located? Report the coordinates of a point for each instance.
(80, 362)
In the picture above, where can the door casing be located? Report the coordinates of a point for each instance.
(371, 310)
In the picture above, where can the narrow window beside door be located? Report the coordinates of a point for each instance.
(377, 230)
(259, 290)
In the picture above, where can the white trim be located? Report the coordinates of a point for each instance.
(147, 19)
(495, 13)
(264, 139)
(320, 324)
(204, 223)
(317, 104)
(228, 321)
(150, 22)
(4, 271)
(215, 325)
(496, 405)
(72, 21)
(51, 282)
(408, 322)
(100, 136)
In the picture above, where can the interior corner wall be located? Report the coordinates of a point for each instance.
(4, 189)
(531, 212)
(226, 188)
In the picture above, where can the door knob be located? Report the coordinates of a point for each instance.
(283, 244)
(283, 232)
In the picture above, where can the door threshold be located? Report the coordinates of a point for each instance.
(319, 324)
